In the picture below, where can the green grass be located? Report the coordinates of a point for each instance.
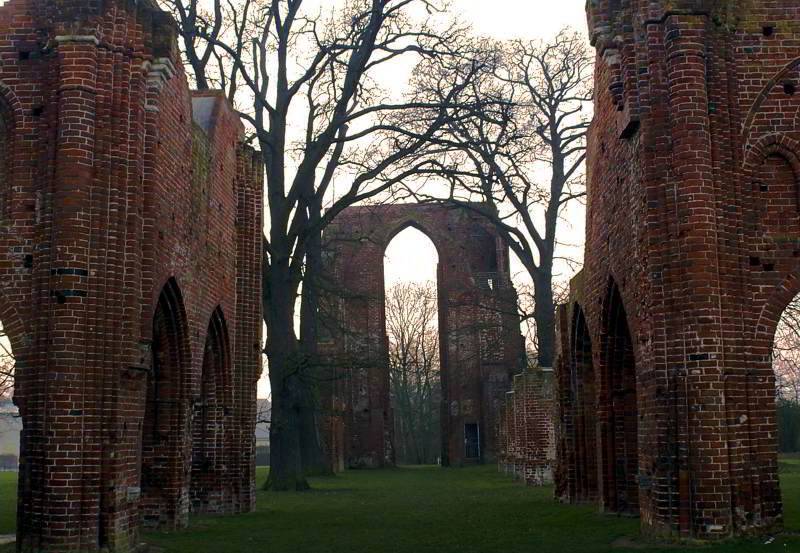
(423, 510)
(429, 510)
(8, 502)
(790, 491)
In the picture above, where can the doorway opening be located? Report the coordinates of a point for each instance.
(472, 442)
(413, 346)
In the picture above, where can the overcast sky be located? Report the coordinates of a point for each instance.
(411, 256)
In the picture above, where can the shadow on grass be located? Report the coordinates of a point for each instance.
(431, 510)
(427, 510)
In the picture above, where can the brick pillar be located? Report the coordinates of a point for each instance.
(695, 351)
(66, 464)
(249, 321)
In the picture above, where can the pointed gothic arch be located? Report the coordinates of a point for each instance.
(163, 502)
(209, 490)
(617, 409)
(584, 398)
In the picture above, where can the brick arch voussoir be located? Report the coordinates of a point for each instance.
(624, 295)
(11, 107)
(630, 319)
(772, 144)
(389, 233)
(797, 119)
(174, 291)
(160, 286)
(577, 308)
(216, 322)
(773, 308)
(592, 328)
(762, 97)
(14, 327)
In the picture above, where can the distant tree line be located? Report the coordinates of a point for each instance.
(414, 370)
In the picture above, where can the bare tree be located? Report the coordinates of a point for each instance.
(306, 85)
(526, 304)
(786, 353)
(523, 154)
(7, 363)
(414, 370)
(7, 423)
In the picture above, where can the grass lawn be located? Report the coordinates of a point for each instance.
(8, 502)
(423, 510)
(430, 510)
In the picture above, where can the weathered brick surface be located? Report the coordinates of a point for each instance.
(130, 253)
(526, 440)
(665, 386)
(481, 347)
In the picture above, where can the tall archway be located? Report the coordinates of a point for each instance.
(12, 441)
(209, 490)
(585, 409)
(411, 318)
(164, 502)
(480, 343)
(617, 410)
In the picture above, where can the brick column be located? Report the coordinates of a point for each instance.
(695, 349)
(65, 463)
(249, 321)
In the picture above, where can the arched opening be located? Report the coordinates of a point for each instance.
(10, 432)
(209, 489)
(778, 219)
(413, 343)
(163, 482)
(786, 367)
(585, 409)
(617, 411)
(10, 419)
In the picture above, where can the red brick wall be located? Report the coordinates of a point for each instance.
(113, 197)
(692, 240)
(526, 433)
(478, 327)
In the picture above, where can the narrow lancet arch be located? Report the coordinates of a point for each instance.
(412, 322)
(209, 489)
(617, 410)
(584, 420)
(163, 489)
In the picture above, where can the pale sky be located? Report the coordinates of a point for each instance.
(411, 256)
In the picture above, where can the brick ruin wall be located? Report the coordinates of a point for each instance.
(480, 342)
(130, 225)
(526, 434)
(666, 394)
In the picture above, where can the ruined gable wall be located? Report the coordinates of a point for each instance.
(103, 205)
(481, 348)
(699, 233)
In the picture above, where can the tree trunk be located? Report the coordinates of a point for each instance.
(544, 316)
(286, 469)
(313, 457)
